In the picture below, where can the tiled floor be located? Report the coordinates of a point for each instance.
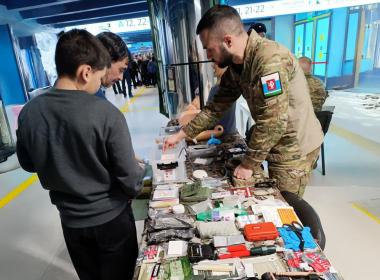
(31, 242)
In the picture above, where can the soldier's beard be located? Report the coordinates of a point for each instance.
(226, 58)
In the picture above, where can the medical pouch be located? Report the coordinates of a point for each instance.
(260, 231)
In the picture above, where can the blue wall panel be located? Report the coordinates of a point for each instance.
(11, 89)
(348, 68)
(337, 36)
(284, 30)
(366, 65)
(302, 16)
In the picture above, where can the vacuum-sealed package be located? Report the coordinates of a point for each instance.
(166, 235)
(171, 221)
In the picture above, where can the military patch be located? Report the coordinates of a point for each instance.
(271, 85)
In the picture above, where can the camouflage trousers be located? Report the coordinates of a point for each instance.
(293, 175)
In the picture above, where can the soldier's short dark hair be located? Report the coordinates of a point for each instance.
(78, 47)
(215, 16)
(115, 46)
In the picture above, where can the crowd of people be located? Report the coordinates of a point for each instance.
(141, 71)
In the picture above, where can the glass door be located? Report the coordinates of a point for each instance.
(309, 32)
(321, 46)
(299, 40)
(311, 39)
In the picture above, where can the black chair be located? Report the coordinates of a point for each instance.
(324, 118)
(307, 215)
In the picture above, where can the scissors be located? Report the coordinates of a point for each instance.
(297, 228)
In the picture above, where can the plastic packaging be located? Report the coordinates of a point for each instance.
(166, 235)
(169, 167)
(171, 222)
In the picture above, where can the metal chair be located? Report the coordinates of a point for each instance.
(324, 118)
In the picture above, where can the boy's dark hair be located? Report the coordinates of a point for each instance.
(115, 46)
(77, 47)
(218, 14)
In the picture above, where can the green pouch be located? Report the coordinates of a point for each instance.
(189, 190)
(194, 193)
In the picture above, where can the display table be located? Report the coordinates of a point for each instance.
(209, 228)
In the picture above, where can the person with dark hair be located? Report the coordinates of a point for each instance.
(145, 78)
(81, 149)
(259, 27)
(134, 71)
(287, 133)
(127, 79)
(152, 71)
(119, 54)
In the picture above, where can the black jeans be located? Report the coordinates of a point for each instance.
(104, 252)
(117, 88)
(129, 84)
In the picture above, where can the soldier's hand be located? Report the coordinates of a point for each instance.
(243, 173)
(171, 141)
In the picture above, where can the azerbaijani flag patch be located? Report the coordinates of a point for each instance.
(271, 85)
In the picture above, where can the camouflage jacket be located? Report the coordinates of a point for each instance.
(317, 91)
(286, 126)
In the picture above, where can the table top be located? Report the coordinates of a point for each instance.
(220, 170)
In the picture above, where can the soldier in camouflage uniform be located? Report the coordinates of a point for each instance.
(317, 89)
(287, 133)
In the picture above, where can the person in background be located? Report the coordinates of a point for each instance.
(317, 89)
(152, 71)
(127, 79)
(259, 27)
(134, 71)
(287, 133)
(81, 149)
(228, 121)
(119, 53)
(117, 88)
(144, 71)
(139, 65)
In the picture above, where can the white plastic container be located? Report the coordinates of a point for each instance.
(169, 167)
